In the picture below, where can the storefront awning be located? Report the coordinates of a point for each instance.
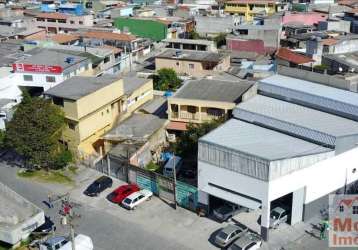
(231, 196)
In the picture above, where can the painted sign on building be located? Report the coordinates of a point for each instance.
(21, 67)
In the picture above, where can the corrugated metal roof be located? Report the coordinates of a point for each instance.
(260, 142)
(328, 99)
(295, 119)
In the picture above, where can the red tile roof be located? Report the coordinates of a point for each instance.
(54, 15)
(110, 36)
(288, 55)
(64, 38)
(181, 126)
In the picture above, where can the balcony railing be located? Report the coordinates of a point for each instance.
(195, 116)
(189, 116)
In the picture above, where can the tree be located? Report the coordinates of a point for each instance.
(194, 35)
(2, 139)
(35, 130)
(187, 142)
(166, 79)
(220, 40)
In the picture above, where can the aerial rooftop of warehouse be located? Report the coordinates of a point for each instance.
(311, 94)
(247, 138)
(295, 119)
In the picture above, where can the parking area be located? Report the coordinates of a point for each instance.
(195, 232)
(109, 224)
(154, 215)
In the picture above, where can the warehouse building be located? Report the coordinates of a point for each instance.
(309, 124)
(307, 153)
(306, 93)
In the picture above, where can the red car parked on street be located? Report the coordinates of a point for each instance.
(118, 195)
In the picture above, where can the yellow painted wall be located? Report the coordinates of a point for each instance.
(100, 98)
(184, 103)
(143, 94)
(249, 10)
(92, 113)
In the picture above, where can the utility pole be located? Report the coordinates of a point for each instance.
(175, 183)
(72, 232)
(68, 217)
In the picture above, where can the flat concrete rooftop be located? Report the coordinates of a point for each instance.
(14, 209)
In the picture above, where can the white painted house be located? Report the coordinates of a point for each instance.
(47, 68)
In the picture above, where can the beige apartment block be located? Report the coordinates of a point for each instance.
(204, 100)
(193, 63)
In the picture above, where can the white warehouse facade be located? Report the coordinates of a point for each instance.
(274, 152)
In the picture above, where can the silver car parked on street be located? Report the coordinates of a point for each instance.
(229, 233)
(278, 215)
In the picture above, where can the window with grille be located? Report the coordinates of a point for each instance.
(28, 78)
(191, 109)
(50, 79)
(355, 209)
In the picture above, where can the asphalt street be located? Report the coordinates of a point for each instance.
(107, 232)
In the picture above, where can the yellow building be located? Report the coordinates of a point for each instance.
(137, 92)
(250, 8)
(203, 100)
(92, 105)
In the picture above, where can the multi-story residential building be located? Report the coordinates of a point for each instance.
(137, 92)
(211, 26)
(255, 38)
(250, 8)
(352, 16)
(60, 22)
(45, 69)
(203, 100)
(316, 47)
(91, 106)
(193, 63)
(335, 25)
(127, 42)
(341, 63)
(156, 28)
(191, 44)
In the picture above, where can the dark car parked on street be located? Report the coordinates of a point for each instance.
(98, 186)
(47, 227)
